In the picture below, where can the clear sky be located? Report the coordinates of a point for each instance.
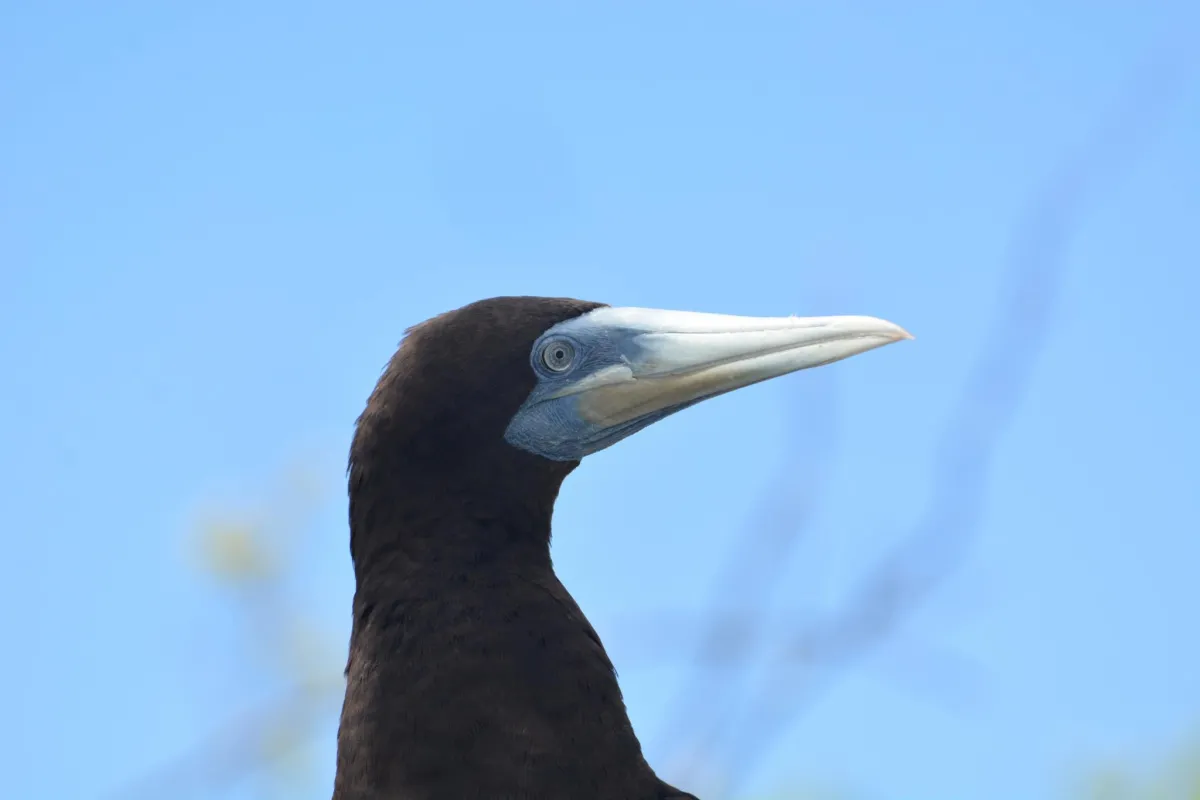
(217, 219)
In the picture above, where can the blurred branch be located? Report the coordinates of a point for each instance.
(235, 750)
(940, 676)
(787, 511)
(813, 655)
(245, 551)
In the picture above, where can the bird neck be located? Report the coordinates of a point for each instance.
(473, 673)
(398, 527)
(415, 497)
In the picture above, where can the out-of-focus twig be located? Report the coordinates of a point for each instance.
(244, 552)
(937, 543)
(776, 528)
(944, 677)
(235, 750)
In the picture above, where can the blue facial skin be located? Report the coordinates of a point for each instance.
(552, 427)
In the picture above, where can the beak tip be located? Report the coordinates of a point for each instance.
(894, 332)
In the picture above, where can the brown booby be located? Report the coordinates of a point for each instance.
(472, 673)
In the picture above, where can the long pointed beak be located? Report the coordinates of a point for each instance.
(672, 359)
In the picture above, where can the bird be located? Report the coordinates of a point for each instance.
(472, 672)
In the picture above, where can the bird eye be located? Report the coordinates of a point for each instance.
(558, 355)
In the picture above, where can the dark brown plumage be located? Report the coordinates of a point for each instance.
(472, 673)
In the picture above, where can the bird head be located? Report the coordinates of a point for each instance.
(497, 401)
(607, 373)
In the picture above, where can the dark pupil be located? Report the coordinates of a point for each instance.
(560, 354)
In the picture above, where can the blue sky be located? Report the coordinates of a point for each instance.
(217, 219)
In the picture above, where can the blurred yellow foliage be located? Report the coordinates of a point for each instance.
(1176, 779)
(237, 552)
